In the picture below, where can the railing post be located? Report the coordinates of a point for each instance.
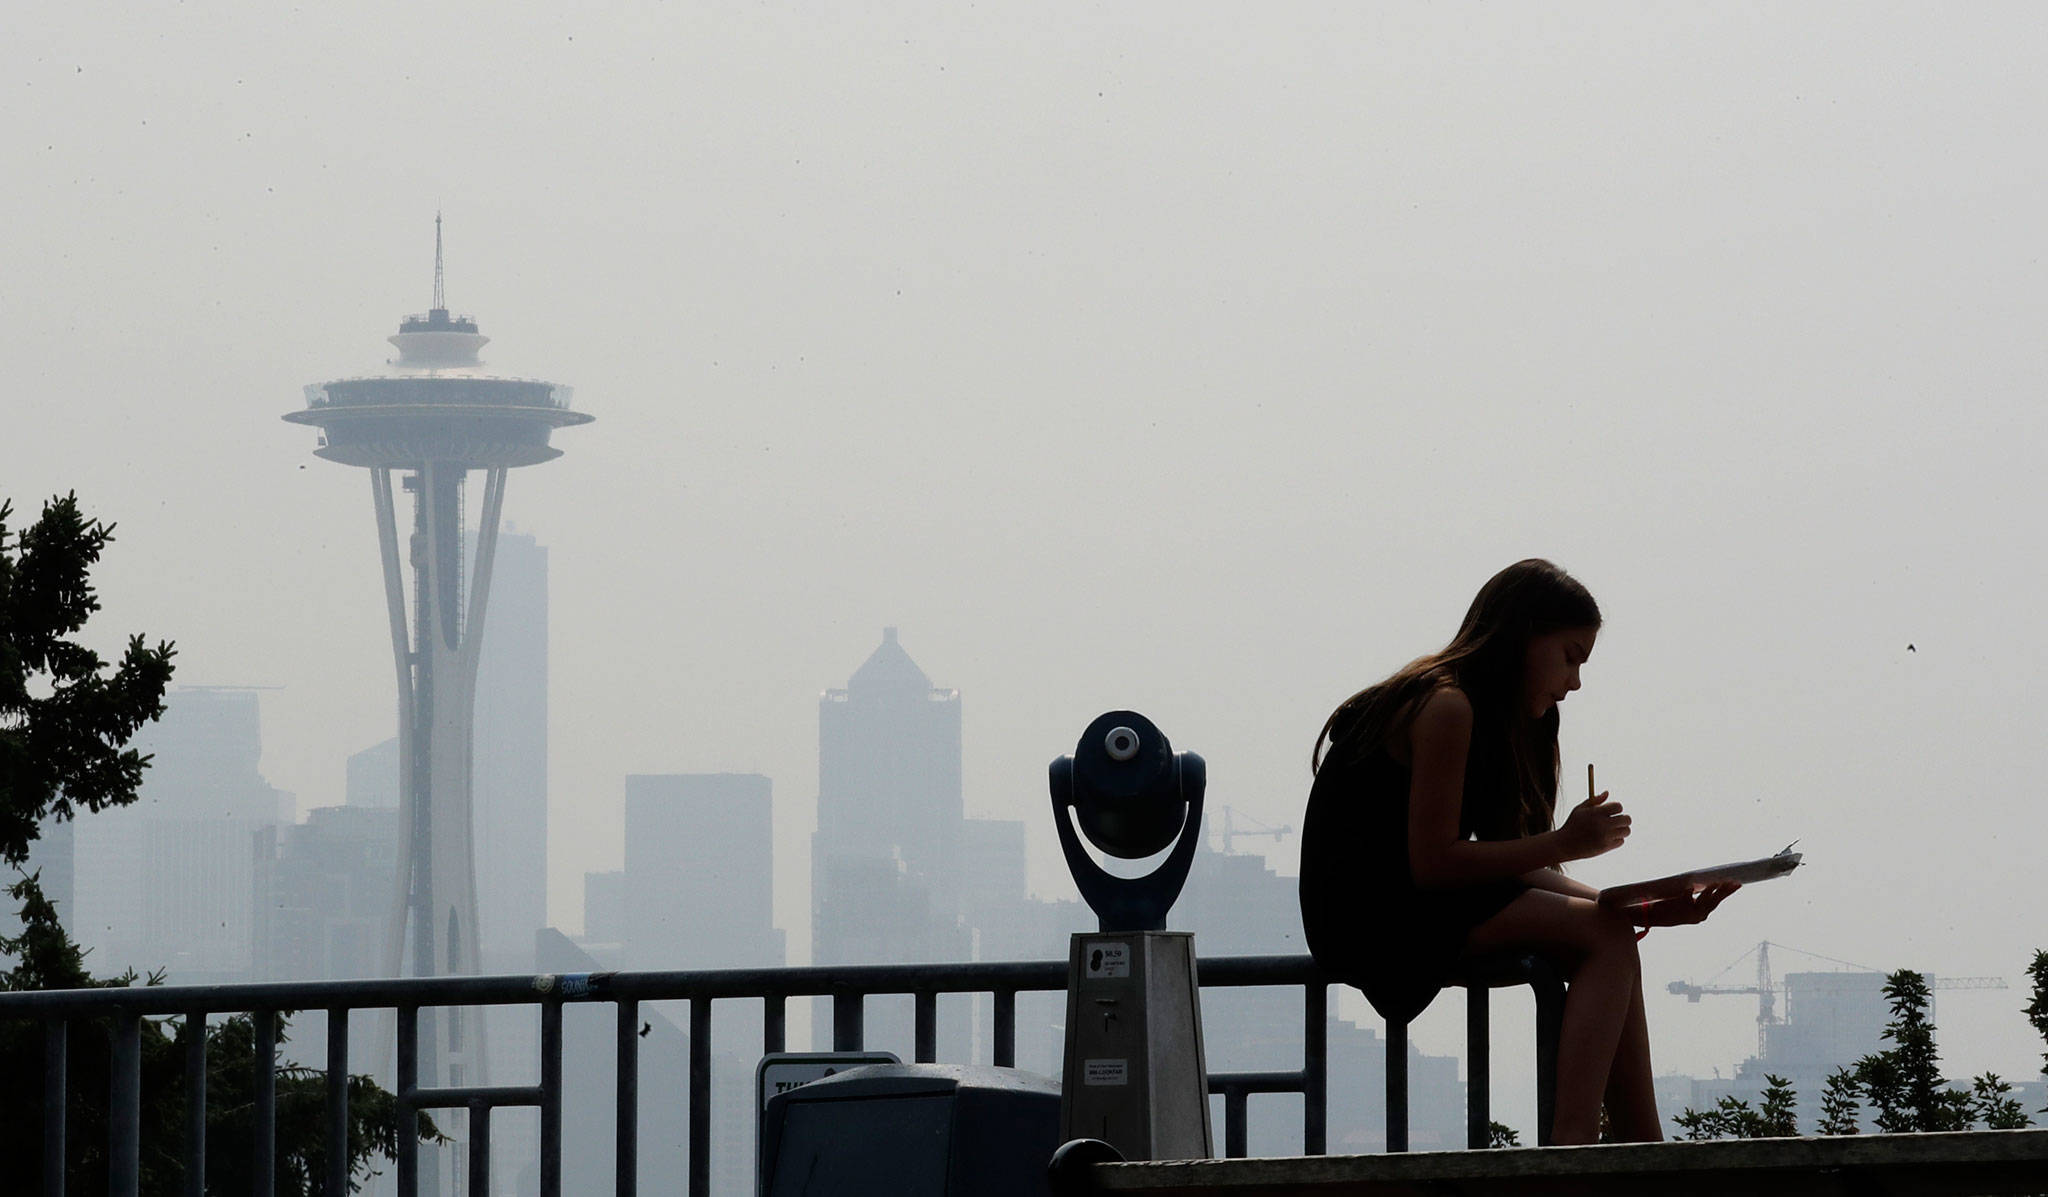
(847, 1028)
(195, 1104)
(1005, 1029)
(700, 1097)
(124, 1107)
(551, 1098)
(265, 1165)
(1315, 1069)
(1478, 1067)
(337, 1102)
(1234, 1118)
(56, 1041)
(480, 1148)
(1397, 1085)
(628, 1099)
(926, 1036)
(408, 1116)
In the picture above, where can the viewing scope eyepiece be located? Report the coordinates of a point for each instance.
(1132, 796)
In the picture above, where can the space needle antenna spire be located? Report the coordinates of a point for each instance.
(440, 298)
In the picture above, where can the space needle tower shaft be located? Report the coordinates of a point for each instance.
(436, 415)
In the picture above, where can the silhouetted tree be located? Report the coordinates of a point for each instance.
(1904, 1081)
(65, 724)
(1839, 1104)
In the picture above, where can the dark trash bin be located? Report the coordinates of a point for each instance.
(912, 1130)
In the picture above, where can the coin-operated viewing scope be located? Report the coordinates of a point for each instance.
(1133, 796)
(1136, 1076)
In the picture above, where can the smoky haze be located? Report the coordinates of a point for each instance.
(1173, 356)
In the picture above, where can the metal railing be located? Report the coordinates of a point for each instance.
(847, 987)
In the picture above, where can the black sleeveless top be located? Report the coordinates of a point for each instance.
(1366, 922)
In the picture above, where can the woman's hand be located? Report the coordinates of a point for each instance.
(1595, 826)
(1681, 912)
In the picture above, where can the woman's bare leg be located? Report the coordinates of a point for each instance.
(1631, 1091)
(1599, 949)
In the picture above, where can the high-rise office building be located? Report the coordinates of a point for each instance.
(885, 864)
(166, 883)
(323, 894)
(510, 773)
(697, 890)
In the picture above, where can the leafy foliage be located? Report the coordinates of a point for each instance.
(1500, 1134)
(1839, 1104)
(1903, 1082)
(64, 721)
(1733, 1118)
(2037, 1010)
(1990, 1102)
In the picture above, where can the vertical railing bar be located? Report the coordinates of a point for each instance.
(56, 1042)
(847, 1020)
(264, 1182)
(551, 1099)
(1397, 1086)
(124, 1107)
(926, 1035)
(480, 1149)
(408, 1118)
(700, 1097)
(1478, 1067)
(195, 1104)
(1005, 1028)
(774, 1030)
(337, 1102)
(1234, 1133)
(1315, 1069)
(628, 1146)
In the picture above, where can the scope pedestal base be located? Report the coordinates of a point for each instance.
(1136, 1076)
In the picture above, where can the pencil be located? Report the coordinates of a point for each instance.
(1591, 793)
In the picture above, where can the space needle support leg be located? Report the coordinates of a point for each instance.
(401, 654)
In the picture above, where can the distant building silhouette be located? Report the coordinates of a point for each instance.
(323, 894)
(166, 883)
(373, 776)
(510, 773)
(885, 860)
(697, 890)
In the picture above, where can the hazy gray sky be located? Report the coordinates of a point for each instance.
(1194, 357)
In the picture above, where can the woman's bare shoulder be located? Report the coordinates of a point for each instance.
(1442, 708)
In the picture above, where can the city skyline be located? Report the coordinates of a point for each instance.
(1188, 359)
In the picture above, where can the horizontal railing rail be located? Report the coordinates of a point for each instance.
(847, 987)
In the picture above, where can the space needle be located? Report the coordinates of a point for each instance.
(435, 415)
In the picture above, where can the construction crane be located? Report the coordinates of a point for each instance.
(1766, 989)
(1231, 831)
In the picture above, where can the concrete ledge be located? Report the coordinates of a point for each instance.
(1968, 1162)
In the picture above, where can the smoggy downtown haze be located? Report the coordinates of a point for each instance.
(1201, 359)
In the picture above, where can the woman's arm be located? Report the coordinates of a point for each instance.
(1439, 738)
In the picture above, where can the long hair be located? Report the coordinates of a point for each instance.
(1511, 769)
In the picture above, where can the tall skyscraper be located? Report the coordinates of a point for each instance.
(885, 861)
(512, 756)
(698, 885)
(434, 417)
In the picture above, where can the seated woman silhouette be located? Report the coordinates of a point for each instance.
(1431, 837)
